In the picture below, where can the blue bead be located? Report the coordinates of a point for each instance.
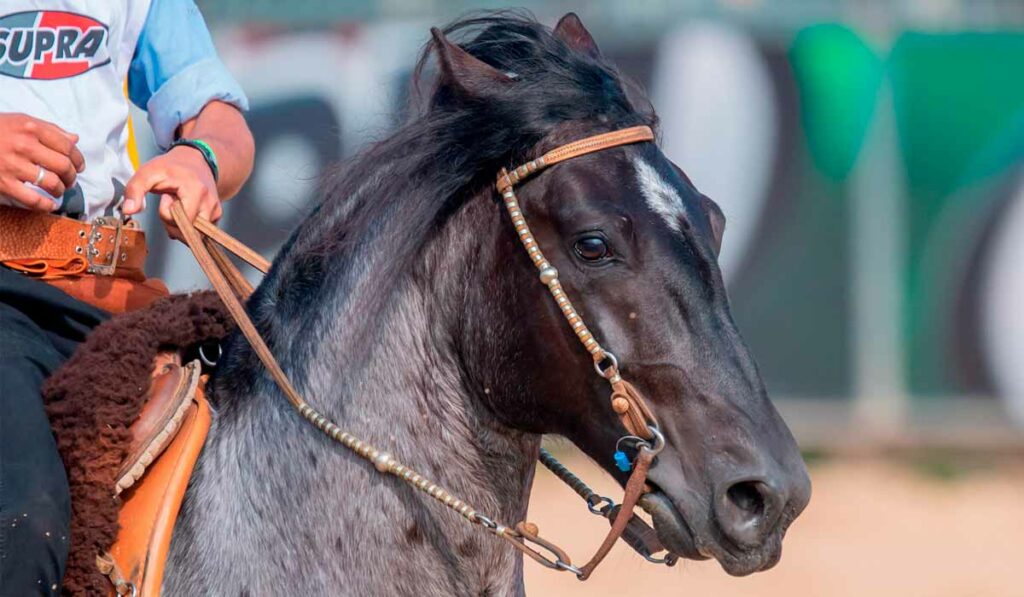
(622, 462)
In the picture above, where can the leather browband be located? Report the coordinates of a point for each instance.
(635, 134)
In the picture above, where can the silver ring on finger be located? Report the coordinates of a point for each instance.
(40, 176)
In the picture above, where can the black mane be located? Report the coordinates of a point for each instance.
(391, 198)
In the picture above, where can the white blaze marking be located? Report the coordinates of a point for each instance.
(661, 197)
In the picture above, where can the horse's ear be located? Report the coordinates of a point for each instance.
(717, 220)
(570, 29)
(461, 70)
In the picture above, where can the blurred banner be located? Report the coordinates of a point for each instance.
(871, 175)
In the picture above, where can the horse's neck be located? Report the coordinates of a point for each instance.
(276, 508)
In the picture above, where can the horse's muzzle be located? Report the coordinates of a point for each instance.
(743, 528)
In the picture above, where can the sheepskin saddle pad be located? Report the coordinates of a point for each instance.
(130, 419)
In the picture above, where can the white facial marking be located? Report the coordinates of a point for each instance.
(661, 197)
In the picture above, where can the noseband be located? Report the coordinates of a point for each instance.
(205, 242)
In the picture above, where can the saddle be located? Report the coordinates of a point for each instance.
(129, 417)
(166, 440)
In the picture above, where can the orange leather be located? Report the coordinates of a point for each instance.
(52, 248)
(46, 246)
(170, 395)
(115, 295)
(151, 506)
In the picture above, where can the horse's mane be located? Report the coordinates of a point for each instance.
(391, 198)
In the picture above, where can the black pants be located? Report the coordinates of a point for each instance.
(40, 327)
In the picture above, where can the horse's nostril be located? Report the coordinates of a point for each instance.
(747, 497)
(747, 511)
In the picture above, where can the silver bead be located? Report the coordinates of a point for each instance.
(383, 462)
(548, 274)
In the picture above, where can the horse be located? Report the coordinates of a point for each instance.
(404, 309)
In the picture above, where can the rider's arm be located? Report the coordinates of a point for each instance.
(223, 127)
(177, 77)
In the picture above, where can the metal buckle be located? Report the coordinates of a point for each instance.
(659, 441)
(95, 246)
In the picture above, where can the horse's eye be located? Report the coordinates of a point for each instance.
(592, 248)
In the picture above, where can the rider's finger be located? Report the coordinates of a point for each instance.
(77, 158)
(188, 197)
(52, 184)
(49, 182)
(192, 197)
(26, 197)
(167, 218)
(54, 161)
(144, 181)
(209, 205)
(61, 141)
(215, 212)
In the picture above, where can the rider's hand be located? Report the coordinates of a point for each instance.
(181, 173)
(28, 144)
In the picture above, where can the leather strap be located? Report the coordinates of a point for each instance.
(622, 518)
(232, 244)
(627, 402)
(636, 134)
(638, 534)
(226, 293)
(634, 489)
(48, 246)
(239, 285)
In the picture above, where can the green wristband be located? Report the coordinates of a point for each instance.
(204, 148)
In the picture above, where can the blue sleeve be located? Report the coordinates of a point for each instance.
(175, 71)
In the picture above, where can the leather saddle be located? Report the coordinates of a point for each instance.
(167, 438)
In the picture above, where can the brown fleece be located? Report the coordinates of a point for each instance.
(93, 399)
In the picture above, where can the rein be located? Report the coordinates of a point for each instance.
(205, 241)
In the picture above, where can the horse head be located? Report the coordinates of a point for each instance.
(406, 309)
(635, 245)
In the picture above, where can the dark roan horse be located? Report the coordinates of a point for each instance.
(405, 310)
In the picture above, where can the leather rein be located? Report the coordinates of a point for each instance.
(206, 241)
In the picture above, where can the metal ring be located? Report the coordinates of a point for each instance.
(485, 522)
(207, 360)
(594, 501)
(659, 441)
(559, 564)
(638, 440)
(669, 559)
(40, 176)
(613, 367)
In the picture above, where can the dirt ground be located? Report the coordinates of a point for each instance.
(873, 527)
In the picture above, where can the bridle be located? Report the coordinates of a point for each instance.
(205, 241)
(626, 400)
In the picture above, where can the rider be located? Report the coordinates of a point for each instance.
(65, 69)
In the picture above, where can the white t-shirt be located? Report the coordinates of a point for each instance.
(70, 62)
